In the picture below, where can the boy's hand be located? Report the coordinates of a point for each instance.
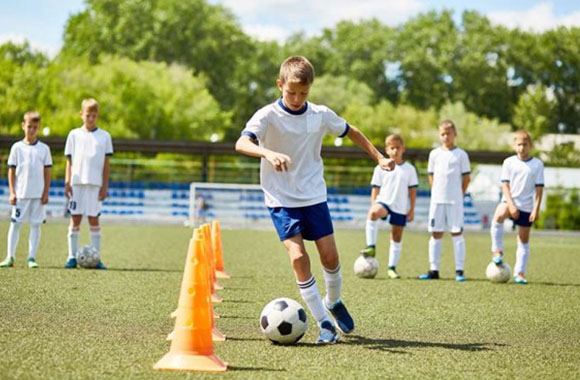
(12, 199)
(279, 161)
(102, 194)
(410, 215)
(44, 198)
(513, 211)
(67, 190)
(533, 216)
(386, 164)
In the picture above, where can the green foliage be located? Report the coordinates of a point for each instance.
(562, 211)
(337, 92)
(564, 154)
(534, 112)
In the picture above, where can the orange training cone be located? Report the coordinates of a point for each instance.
(192, 345)
(216, 239)
(207, 231)
(204, 234)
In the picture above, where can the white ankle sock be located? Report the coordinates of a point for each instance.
(371, 230)
(33, 240)
(435, 252)
(311, 295)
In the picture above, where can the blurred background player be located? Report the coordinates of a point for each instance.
(29, 165)
(522, 176)
(449, 174)
(393, 195)
(87, 176)
(290, 133)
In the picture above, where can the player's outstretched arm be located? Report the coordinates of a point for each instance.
(246, 146)
(361, 140)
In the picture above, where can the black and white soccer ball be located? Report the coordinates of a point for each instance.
(366, 267)
(283, 321)
(88, 257)
(498, 273)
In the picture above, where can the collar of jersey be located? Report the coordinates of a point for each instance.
(87, 130)
(529, 159)
(299, 112)
(34, 143)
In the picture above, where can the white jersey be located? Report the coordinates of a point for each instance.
(29, 161)
(448, 168)
(299, 135)
(395, 185)
(523, 178)
(87, 150)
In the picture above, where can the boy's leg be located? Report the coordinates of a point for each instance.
(95, 232)
(73, 240)
(459, 253)
(522, 253)
(435, 246)
(436, 228)
(333, 279)
(372, 227)
(395, 249)
(496, 232)
(33, 241)
(13, 235)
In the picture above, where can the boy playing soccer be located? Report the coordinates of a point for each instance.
(290, 133)
(393, 194)
(87, 151)
(449, 172)
(29, 165)
(522, 176)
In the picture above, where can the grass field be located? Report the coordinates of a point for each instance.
(83, 324)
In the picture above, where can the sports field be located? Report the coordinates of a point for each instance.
(86, 324)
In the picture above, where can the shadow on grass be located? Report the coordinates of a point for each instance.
(395, 346)
(237, 368)
(109, 269)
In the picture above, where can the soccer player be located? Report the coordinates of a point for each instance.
(290, 132)
(522, 177)
(87, 149)
(449, 175)
(29, 165)
(393, 195)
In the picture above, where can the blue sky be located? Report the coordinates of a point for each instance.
(41, 22)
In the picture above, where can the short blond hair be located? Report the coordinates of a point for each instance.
(392, 138)
(448, 124)
(90, 104)
(523, 133)
(296, 69)
(31, 116)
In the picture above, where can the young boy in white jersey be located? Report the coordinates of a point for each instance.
(522, 177)
(290, 133)
(29, 165)
(449, 175)
(393, 195)
(87, 150)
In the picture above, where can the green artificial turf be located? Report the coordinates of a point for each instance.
(87, 324)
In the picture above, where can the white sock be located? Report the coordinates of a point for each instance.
(73, 242)
(496, 231)
(522, 256)
(459, 251)
(435, 252)
(395, 253)
(33, 240)
(310, 295)
(13, 235)
(371, 230)
(333, 281)
(96, 238)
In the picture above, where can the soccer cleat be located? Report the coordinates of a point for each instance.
(7, 263)
(369, 251)
(459, 276)
(520, 280)
(498, 258)
(431, 275)
(343, 320)
(392, 273)
(32, 263)
(100, 265)
(328, 333)
(71, 263)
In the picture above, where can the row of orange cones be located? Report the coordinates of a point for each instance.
(195, 332)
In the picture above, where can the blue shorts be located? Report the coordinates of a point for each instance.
(313, 222)
(523, 220)
(394, 218)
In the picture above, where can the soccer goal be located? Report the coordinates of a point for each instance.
(234, 205)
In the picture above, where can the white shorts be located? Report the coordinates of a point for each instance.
(446, 217)
(29, 210)
(85, 200)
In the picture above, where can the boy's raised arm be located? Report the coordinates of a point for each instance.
(246, 146)
(361, 140)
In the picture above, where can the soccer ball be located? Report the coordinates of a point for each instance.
(366, 267)
(88, 257)
(283, 321)
(498, 273)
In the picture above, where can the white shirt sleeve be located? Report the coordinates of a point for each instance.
(109, 147)
(413, 179)
(12, 158)
(257, 126)
(465, 166)
(334, 124)
(540, 175)
(505, 171)
(377, 180)
(48, 158)
(431, 162)
(69, 145)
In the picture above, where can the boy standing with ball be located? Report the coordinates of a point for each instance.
(290, 132)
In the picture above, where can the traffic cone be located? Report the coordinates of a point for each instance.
(192, 345)
(207, 239)
(207, 231)
(216, 239)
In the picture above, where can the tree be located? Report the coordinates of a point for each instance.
(534, 112)
(337, 92)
